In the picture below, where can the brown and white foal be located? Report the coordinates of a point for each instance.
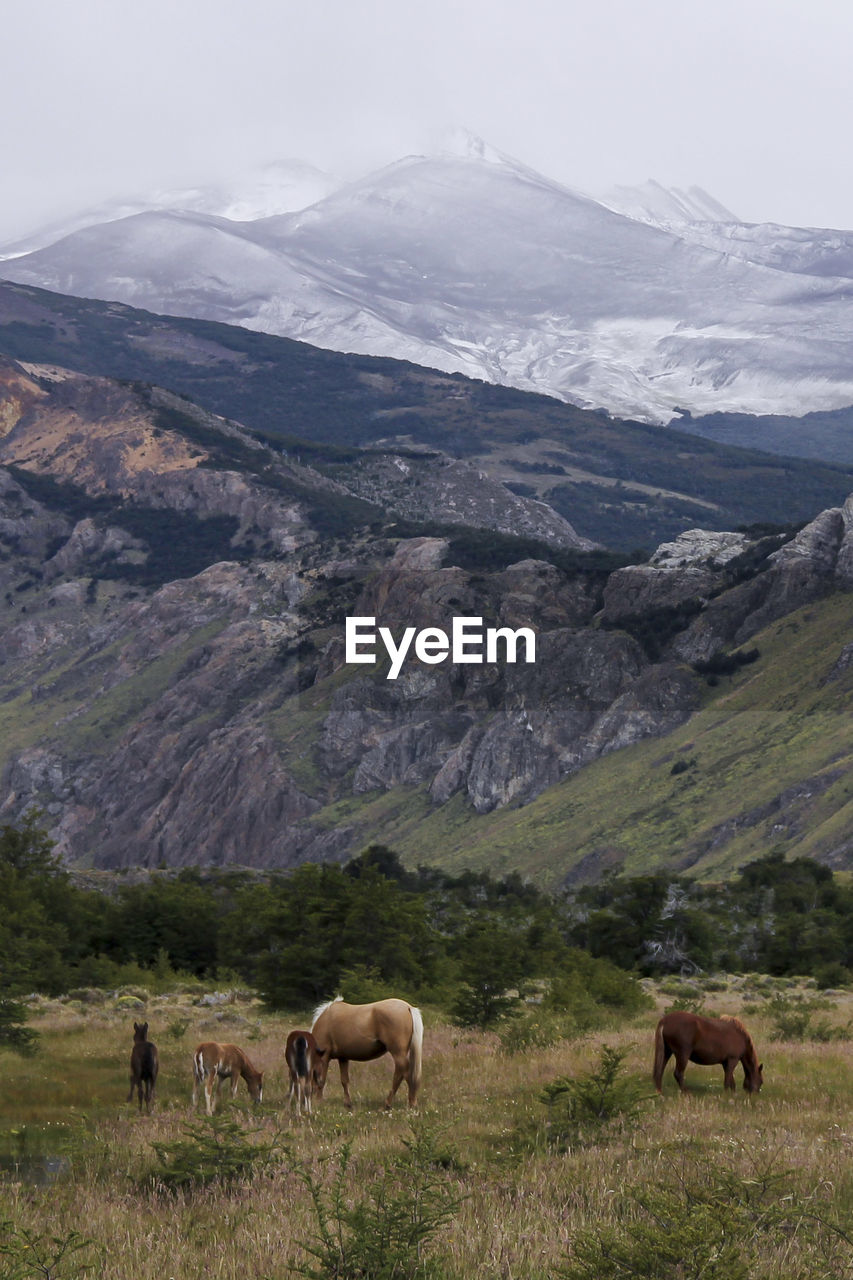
(213, 1063)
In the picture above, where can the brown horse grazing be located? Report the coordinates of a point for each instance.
(302, 1057)
(361, 1032)
(144, 1065)
(213, 1063)
(707, 1041)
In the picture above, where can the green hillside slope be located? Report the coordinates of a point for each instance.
(768, 764)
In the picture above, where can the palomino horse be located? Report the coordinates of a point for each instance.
(302, 1056)
(144, 1065)
(707, 1041)
(361, 1032)
(214, 1062)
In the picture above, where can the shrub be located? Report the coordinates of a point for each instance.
(386, 1232)
(13, 1033)
(707, 1223)
(25, 1254)
(530, 1031)
(218, 1151)
(584, 1105)
(793, 1018)
(177, 1028)
(833, 974)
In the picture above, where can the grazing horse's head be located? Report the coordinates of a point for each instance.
(753, 1077)
(256, 1086)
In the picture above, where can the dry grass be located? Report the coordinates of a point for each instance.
(523, 1201)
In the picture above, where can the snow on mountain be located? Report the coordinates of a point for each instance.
(276, 188)
(666, 207)
(470, 261)
(699, 218)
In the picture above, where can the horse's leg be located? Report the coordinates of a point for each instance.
(681, 1060)
(343, 1063)
(235, 1080)
(401, 1072)
(211, 1088)
(729, 1069)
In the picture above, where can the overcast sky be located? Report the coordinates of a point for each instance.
(749, 99)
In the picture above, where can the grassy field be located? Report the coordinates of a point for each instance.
(705, 1185)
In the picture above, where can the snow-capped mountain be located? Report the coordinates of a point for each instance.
(666, 206)
(475, 263)
(275, 188)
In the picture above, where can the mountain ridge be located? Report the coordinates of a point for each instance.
(174, 687)
(467, 265)
(618, 483)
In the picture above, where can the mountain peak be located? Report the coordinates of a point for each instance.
(465, 145)
(651, 202)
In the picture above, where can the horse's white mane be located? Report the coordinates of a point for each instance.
(321, 1008)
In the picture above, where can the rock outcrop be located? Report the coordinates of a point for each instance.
(212, 718)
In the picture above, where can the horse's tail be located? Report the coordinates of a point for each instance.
(300, 1056)
(660, 1057)
(416, 1050)
(198, 1065)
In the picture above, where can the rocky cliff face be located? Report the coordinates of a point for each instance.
(212, 717)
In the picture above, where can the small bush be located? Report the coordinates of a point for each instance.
(708, 1223)
(483, 1005)
(530, 1031)
(13, 1033)
(25, 1254)
(583, 1106)
(177, 1028)
(87, 995)
(688, 1004)
(793, 1018)
(833, 974)
(682, 766)
(386, 1231)
(218, 1151)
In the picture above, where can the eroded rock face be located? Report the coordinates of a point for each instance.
(27, 529)
(699, 549)
(426, 485)
(213, 720)
(698, 573)
(501, 734)
(687, 569)
(815, 562)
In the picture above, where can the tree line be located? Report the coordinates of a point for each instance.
(471, 943)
